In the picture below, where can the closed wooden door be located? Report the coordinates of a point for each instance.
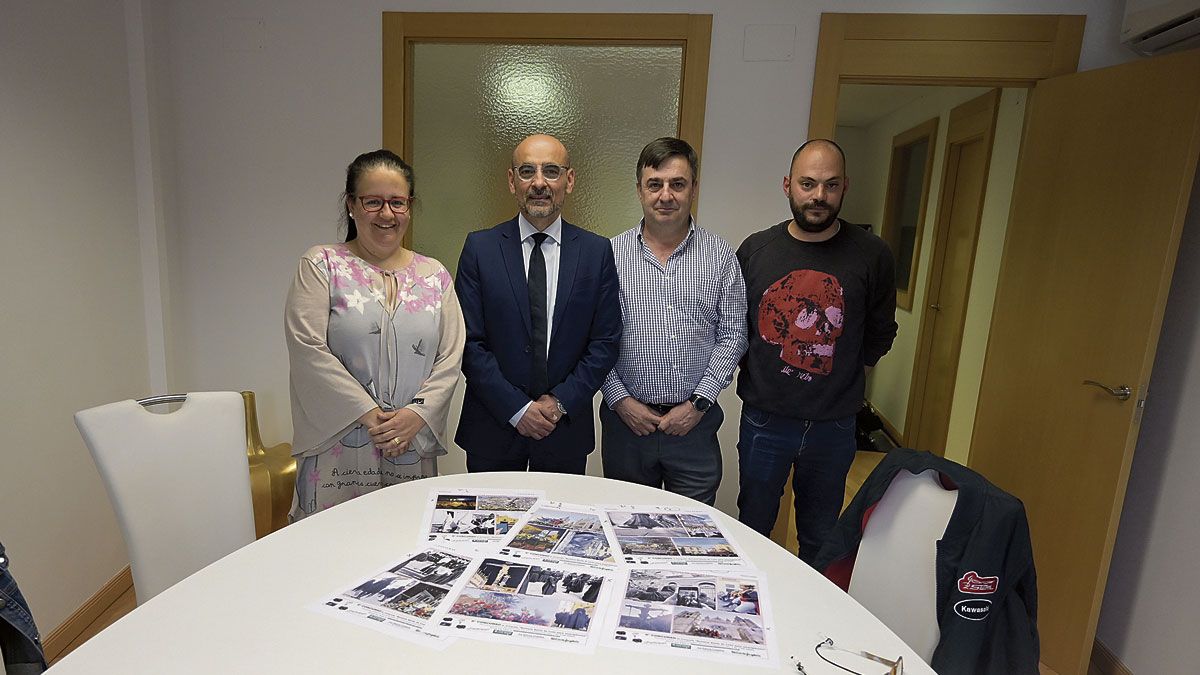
(1101, 192)
(956, 232)
(460, 90)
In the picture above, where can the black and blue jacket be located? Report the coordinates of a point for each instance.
(18, 635)
(986, 585)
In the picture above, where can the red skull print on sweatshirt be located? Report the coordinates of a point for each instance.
(802, 313)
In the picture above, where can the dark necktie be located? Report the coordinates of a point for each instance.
(538, 378)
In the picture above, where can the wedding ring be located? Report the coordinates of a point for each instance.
(396, 441)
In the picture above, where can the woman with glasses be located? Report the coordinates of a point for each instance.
(375, 339)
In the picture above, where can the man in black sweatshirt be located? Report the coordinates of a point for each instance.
(821, 301)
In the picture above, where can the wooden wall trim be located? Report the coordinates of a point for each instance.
(534, 26)
(61, 637)
(1105, 662)
(693, 95)
(890, 428)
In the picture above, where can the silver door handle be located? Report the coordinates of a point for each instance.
(935, 307)
(1123, 393)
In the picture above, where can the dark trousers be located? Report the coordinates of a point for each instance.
(818, 454)
(687, 465)
(526, 454)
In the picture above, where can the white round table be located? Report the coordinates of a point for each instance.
(246, 613)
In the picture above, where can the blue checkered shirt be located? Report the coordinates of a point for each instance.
(684, 322)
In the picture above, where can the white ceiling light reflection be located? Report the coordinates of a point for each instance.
(528, 91)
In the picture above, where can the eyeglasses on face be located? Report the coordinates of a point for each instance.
(527, 172)
(373, 203)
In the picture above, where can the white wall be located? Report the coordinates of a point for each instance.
(74, 334)
(1150, 608)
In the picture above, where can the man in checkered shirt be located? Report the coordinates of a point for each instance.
(683, 305)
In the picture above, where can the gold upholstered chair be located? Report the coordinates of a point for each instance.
(272, 475)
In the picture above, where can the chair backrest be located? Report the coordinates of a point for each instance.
(895, 570)
(179, 482)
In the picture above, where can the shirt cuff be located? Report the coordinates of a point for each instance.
(520, 413)
(708, 389)
(612, 402)
(613, 390)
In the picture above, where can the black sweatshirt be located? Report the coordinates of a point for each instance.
(818, 313)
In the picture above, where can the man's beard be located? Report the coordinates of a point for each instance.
(541, 210)
(803, 223)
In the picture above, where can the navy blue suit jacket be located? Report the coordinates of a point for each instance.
(586, 334)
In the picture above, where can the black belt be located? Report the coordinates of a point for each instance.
(660, 408)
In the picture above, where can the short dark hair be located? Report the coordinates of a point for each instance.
(818, 141)
(369, 161)
(660, 150)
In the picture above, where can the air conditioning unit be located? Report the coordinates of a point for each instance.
(1153, 26)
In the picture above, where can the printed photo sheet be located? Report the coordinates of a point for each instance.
(401, 599)
(509, 600)
(560, 532)
(717, 616)
(672, 535)
(474, 518)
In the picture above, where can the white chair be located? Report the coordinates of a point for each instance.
(178, 481)
(895, 570)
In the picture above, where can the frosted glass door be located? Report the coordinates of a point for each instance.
(472, 103)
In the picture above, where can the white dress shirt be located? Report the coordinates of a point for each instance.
(551, 248)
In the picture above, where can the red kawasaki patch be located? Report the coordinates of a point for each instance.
(973, 583)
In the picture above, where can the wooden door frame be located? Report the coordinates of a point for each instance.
(972, 121)
(925, 130)
(979, 50)
(403, 30)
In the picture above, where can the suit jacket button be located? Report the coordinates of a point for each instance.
(528, 349)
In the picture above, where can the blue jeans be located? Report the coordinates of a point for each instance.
(19, 638)
(818, 454)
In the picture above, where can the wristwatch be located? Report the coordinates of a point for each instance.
(700, 403)
(562, 409)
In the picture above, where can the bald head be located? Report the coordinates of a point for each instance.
(822, 146)
(541, 144)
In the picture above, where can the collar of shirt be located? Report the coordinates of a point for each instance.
(527, 229)
(682, 245)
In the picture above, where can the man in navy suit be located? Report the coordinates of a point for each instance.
(541, 301)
